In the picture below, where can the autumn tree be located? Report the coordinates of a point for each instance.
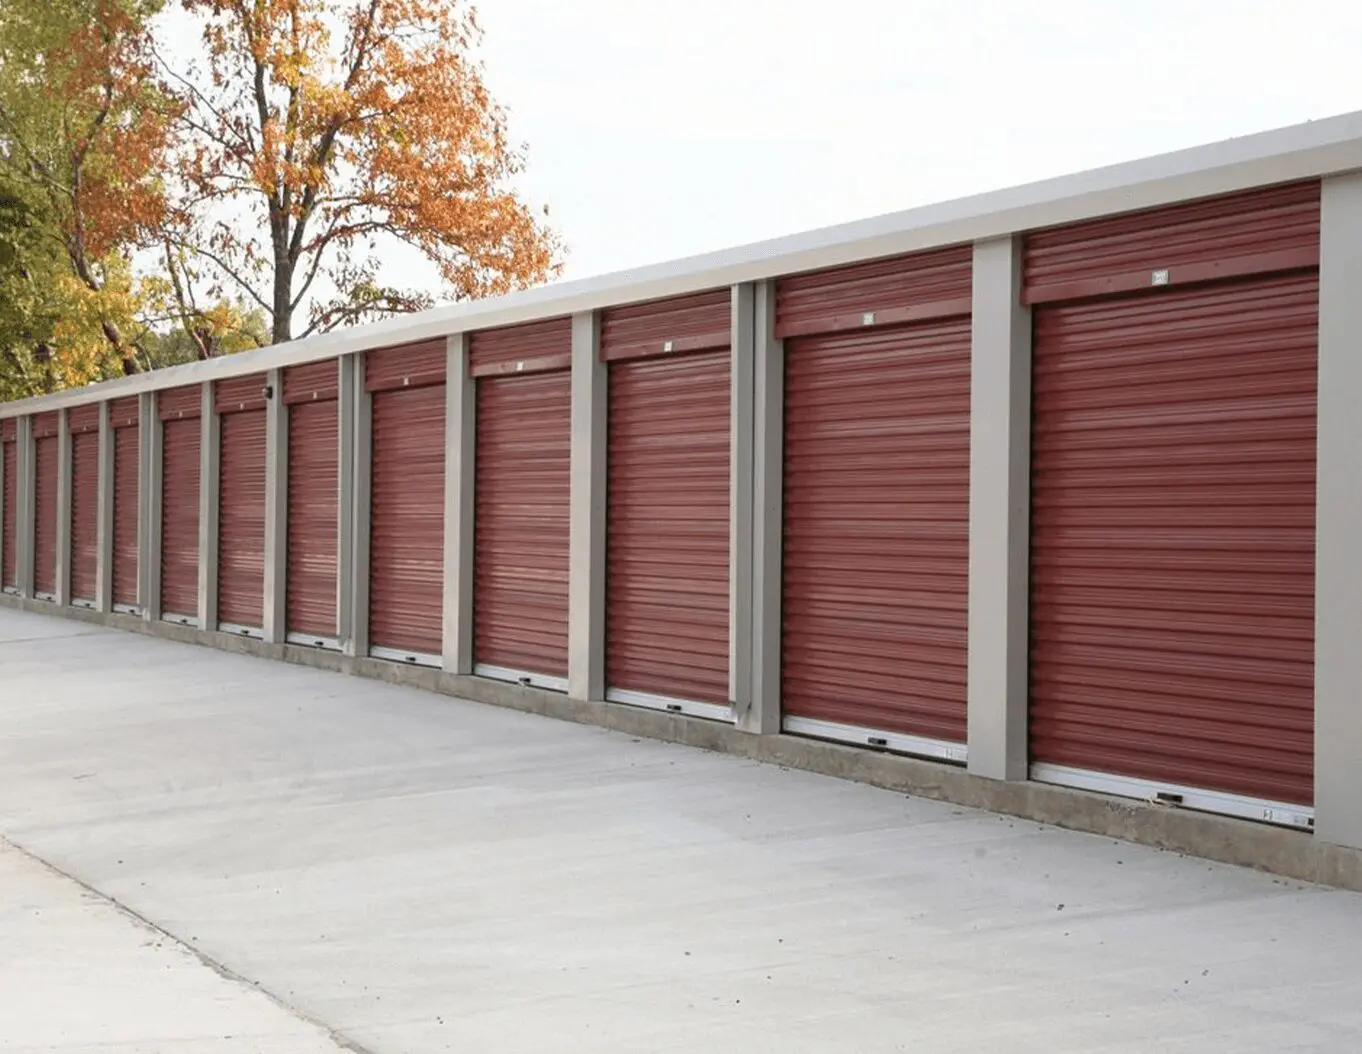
(83, 133)
(318, 132)
(28, 317)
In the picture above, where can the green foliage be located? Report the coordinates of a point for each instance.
(29, 312)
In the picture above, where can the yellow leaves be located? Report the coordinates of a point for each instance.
(80, 352)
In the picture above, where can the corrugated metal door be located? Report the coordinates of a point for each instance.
(180, 410)
(524, 430)
(311, 394)
(667, 534)
(47, 459)
(9, 450)
(876, 502)
(127, 487)
(1173, 498)
(83, 424)
(406, 508)
(240, 405)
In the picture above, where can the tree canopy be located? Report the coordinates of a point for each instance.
(158, 204)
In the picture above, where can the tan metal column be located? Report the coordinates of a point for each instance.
(356, 439)
(151, 469)
(104, 513)
(26, 522)
(460, 472)
(1000, 509)
(586, 571)
(64, 503)
(276, 509)
(1338, 518)
(762, 715)
(210, 467)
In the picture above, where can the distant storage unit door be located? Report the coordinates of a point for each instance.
(667, 533)
(311, 394)
(83, 424)
(406, 509)
(240, 406)
(127, 486)
(1173, 504)
(180, 410)
(876, 502)
(9, 451)
(47, 469)
(524, 429)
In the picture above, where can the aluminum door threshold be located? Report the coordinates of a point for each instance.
(1178, 796)
(710, 711)
(895, 742)
(308, 640)
(406, 658)
(521, 677)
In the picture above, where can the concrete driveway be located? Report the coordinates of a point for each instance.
(422, 875)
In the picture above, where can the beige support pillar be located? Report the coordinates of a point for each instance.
(1000, 508)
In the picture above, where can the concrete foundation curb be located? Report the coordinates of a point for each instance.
(1294, 854)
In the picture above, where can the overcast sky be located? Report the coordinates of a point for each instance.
(658, 130)
(662, 129)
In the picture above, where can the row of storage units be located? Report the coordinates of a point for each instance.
(1172, 501)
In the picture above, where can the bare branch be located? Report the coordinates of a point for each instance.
(226, 268)
(203, 100)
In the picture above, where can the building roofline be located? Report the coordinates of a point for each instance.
(1304, 151)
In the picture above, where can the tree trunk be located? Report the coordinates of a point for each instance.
(283, 306)
(282, 311)
(127, 356)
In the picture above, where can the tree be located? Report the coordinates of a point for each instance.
(26, 319)
(51, 324)
(322, 130)
(222, 329)
(84, 129)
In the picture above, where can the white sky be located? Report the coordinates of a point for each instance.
(662, 129)
(657, 130)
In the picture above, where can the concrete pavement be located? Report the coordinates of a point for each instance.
(80, 976)
(423, 875)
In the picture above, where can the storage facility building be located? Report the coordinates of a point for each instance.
(1060, 485)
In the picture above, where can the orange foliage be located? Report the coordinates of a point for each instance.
(338, 126)
(118, 128)
(85, 130)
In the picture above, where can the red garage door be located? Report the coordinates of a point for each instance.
(83, 424)
(1173, 498)
(127, 487)
(180, 410)
(667, 535)
(406, 527)
(240, 406)
(311, 394)
(876, 489)
(9, 450)
(47, 451)
(524, 427)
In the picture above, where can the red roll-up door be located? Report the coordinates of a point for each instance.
(180, 410)
(524, 428)
(876, 502)
(127, 486)
(47, 458)
(406, 509)
(240, 405)
(83, 424)
(9, 450)
(1173, 503)
(311, 394)
(667, 534)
